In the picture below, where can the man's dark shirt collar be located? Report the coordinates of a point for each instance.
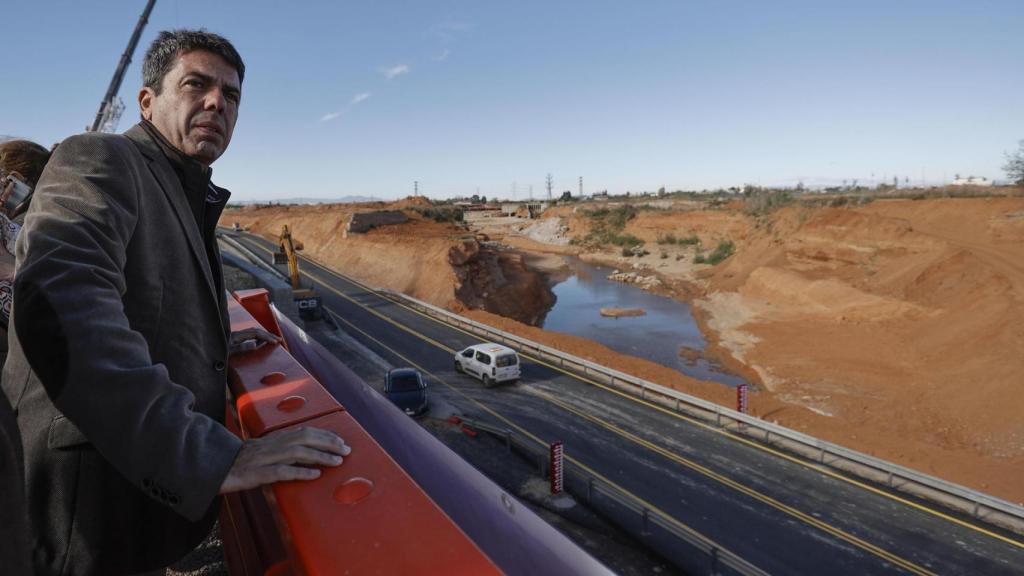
(195, 178)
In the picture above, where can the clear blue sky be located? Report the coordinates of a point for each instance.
(365, 97)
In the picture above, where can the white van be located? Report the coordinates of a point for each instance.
(491, 363)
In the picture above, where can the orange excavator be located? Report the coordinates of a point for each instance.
(306, 300)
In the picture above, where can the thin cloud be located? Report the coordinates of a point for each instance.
(443, 55)
(360, 97)
(447, 31)
(329, 117)
(394, 71)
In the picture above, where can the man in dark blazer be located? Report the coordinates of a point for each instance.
(117, 360)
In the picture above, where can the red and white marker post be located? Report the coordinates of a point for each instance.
(741, 398)
(557, 468)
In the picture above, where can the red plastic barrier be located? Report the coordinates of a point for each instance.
(365, 516)
(256, 311)
(251, 542)
(273, 391)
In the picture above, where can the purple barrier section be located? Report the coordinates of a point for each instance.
(514, 538)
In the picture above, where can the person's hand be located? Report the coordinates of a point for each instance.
(250, 339)
(282, 456)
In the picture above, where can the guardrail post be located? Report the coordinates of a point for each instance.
(643, 390)
(646, 519)
(713, 568)
(677, 404)
(590, 490)
(508, 440)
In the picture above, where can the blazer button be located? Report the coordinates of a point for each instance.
(219, 366)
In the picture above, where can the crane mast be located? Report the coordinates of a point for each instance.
(111, 107)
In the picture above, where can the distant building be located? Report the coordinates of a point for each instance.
(971, 181)
(523, 209)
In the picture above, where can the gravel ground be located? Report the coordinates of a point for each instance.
(206, 560)
(548, 231)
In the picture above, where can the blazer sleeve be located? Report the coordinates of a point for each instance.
(70, 321)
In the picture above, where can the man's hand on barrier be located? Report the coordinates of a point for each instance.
(250, 339)
(284, 455)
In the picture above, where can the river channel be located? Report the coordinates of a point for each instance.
(658, 336)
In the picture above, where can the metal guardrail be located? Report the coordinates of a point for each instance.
(979, 505)
(670, 538)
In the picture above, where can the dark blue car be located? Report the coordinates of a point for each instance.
(407, 390)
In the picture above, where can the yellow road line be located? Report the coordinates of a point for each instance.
(541, 442)
(818, 468)
(885, 555)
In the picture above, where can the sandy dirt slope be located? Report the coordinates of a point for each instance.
(413, 260)
(895, 328)
(441, 263)
(902, 317)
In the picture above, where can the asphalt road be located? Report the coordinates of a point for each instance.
(779, 512)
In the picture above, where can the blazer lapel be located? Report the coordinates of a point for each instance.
(171, 187)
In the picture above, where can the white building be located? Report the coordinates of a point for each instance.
(971, 181)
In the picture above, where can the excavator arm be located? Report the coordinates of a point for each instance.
(305, 298)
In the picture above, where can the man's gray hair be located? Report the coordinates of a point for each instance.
(169, 44)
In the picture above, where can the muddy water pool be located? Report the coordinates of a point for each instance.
(656, 336)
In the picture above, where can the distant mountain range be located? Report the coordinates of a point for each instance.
(342, 200)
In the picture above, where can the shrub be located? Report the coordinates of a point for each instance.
(441, 213)
(608, 225)
(764, 201)
(699, 259)
(671, 238)
(618, 217)
(664, 255)
(625, 240)
(724, 249)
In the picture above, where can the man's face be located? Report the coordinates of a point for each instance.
(198, 105)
